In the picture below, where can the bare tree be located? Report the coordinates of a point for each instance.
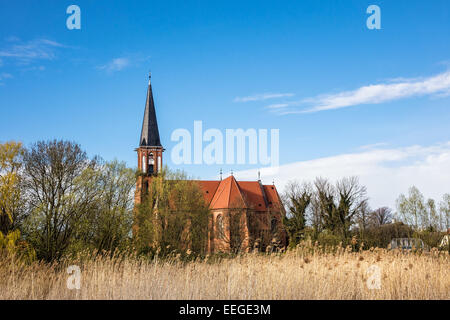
(363, 218)
(381, 216)
(352, 200)
(444, 212)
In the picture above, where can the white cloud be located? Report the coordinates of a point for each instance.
(116, 64)
(277, 106)
(394, 89)
(26, 52)
(385, 172)
(373, 145)
(262, 96)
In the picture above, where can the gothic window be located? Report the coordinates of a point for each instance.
(219, 227)
(144, 167)
(273, 225)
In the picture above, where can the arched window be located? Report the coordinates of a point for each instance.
(273, 225)
(144, 167)
(151, 163)
(219, 227)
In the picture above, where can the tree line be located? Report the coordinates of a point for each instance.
(339, 213)
(55, 200)
(61, 201)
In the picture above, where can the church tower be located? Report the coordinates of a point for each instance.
(150, 150)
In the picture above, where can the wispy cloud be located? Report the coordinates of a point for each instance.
(12, 39)
(277, 106)
(386, 172)
(262, 97)
(116, 64)
(393, 89)
(373, 145)
(26, 52)
(4, 76)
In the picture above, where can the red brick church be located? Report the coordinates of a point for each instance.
(257, 207)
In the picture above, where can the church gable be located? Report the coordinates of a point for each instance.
(228, 195)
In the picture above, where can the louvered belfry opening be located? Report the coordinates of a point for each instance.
(150, 149)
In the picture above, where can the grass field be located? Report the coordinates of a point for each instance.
(304, 273)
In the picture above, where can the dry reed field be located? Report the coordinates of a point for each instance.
(303, 273)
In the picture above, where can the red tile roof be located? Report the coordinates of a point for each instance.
(230, 193)
(272, 196)
(209, 188)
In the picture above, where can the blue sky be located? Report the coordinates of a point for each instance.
(89, 85)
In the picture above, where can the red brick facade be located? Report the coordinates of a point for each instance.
(246, 215)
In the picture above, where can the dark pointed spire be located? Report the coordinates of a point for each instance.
(150, 132)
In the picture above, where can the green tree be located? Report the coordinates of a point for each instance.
(12, 245)
(57, 178)
(173, 216)
(421, 214)
(431, 219)
(231, 228)
(340, 204)
(297, 199)
(108, 225)
(12, 200)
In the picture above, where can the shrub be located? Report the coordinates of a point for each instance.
(381, 236)
(11, 245)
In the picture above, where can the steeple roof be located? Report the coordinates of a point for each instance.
(150, 132)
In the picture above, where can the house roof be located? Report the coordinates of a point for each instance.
(230, 193)
(149, 132)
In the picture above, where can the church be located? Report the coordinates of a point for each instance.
(257, 207)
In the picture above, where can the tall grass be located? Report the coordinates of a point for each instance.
(308, 272)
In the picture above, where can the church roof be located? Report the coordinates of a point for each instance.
(149, 132)
(230, 193)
